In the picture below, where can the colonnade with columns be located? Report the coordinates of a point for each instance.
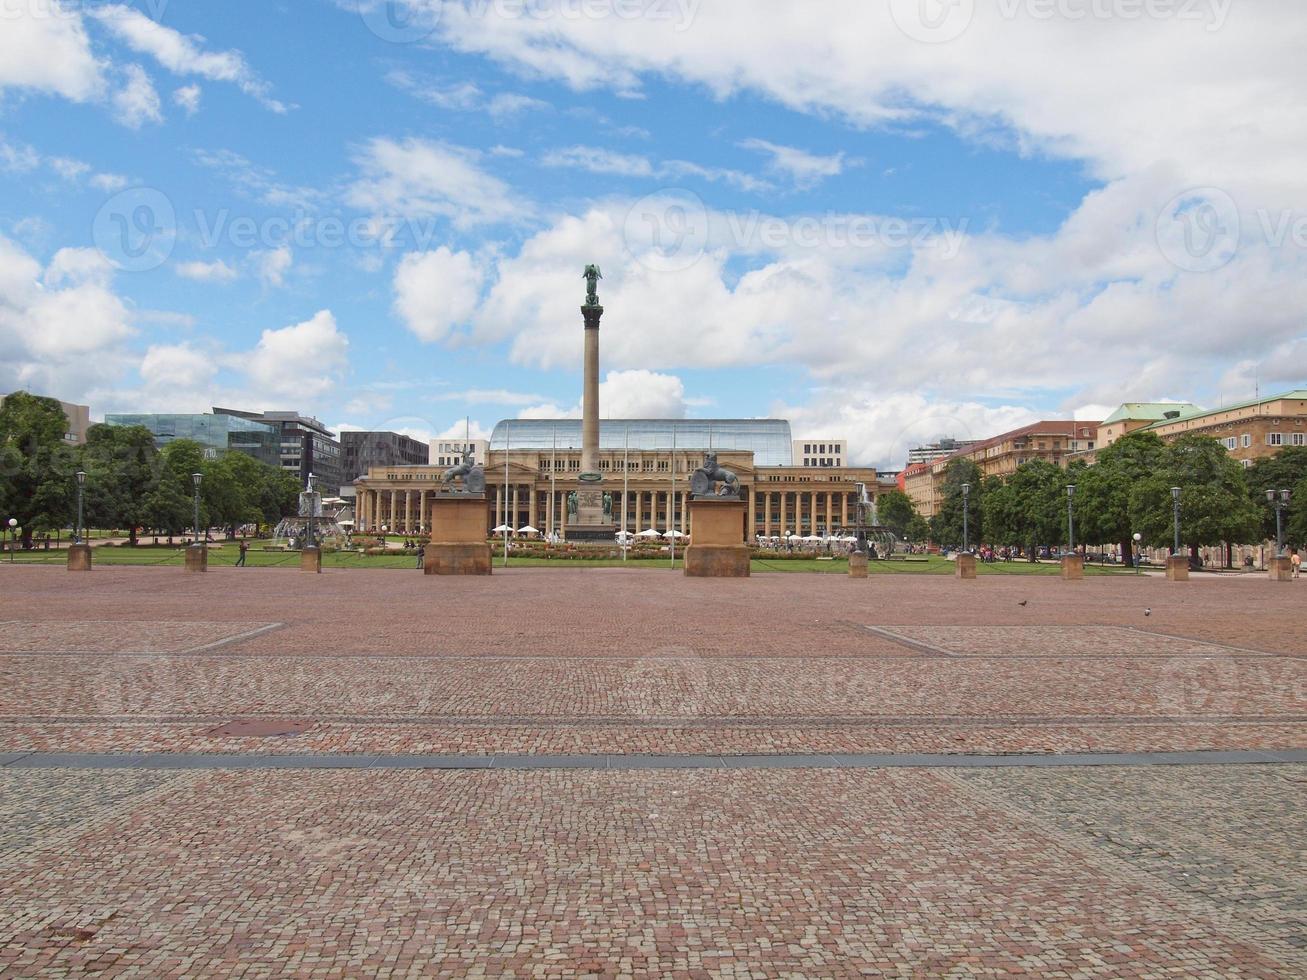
(771, 511)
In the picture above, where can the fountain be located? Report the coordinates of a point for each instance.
(308, 527)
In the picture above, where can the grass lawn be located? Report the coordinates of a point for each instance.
(257, 558)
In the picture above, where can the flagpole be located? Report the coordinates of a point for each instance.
(507, 442)
(671, 503)
(553, 484)
(626, 484)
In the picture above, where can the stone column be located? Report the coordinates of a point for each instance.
(685, 511)
(780, 502)
(844, 509)
(590, 398)
(830, 511)
(531, 506)
(408, 511)
(562, 512)
(424, 515)
(394, 509)
(766, 514)
(750, 534)
(517, 507)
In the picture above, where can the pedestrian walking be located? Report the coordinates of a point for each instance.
(422, 551)
(1296, 561)
(244, 547)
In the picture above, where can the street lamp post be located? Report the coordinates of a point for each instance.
(1280, 502)
(1138, 539)
(1175, 502)
(81, 483)
(13, 537)
(1070, 517)
(197, 478)
(966, 528)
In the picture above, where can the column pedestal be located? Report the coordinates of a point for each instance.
(311, 560)
(858, 564)
(965, 566)
(458, 536)
(1280, 569)
(717, 548)
(1073, 568)
(79, 558)
(1177, 568)
(197, 558)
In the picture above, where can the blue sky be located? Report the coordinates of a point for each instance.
(888, 222)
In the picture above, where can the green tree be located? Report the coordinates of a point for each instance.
(946, 525)
(37, 469)
(895, 511)
(181, 459)
(1286, 470)
(918, 530)
(1215, 506)
(1028, 508)
(268, 493)
(122, 468)
(1103, 491)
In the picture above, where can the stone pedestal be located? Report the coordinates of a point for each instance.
(79, 558)
(1280, 569)
(590, 524)
(1177, 568)
(965, 566)
(197, 558)
(458, 536)
(311, 560)
(717, 548)
(858, 565)
(1073, 568)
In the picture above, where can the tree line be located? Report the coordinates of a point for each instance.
(130, 484)
(1127, 491)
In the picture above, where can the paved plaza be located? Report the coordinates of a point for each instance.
(558, 772)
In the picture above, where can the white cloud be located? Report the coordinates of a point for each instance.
(436, 292)
(184, 54)
(136, 101)
(216, 271)
(597, 160)
(22, 158)
(272, 265)
(636, 394)
(421, 178)
(462, 96)
(299, 362)
(61, 327)
(44, 47)
(804, 169)
(188, 97)
(180, 367)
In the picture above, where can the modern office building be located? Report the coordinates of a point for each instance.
(938, 450)
(534, 464)
(449, 452)
(820, 452)
(362, 451)
(306, 446)
(216, 433)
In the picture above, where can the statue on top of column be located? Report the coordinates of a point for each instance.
(703, 484)
(592, 276)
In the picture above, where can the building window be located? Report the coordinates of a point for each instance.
(1275, 439)
(1247, 463)
(1247, 440)
(1300, 439)
(1232, 443)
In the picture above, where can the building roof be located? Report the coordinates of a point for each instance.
(1297, 394)
(1149, 411)
(768, 439)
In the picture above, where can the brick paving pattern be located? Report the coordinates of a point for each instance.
(1159, 871)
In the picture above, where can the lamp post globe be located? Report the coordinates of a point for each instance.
(1138, 539)
(13, 537)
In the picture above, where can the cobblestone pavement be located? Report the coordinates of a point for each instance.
(1175, 871)
(813, 873)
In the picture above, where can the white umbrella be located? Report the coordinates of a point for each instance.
(528, 530)
(625, 534)
(673, 534)
(502, 529)
(648, 533)
(812, 537)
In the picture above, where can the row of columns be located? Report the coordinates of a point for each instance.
(402, 511)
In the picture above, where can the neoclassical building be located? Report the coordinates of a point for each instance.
(533, 464)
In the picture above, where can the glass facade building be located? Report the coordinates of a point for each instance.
(216, 433)
(768, 439)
